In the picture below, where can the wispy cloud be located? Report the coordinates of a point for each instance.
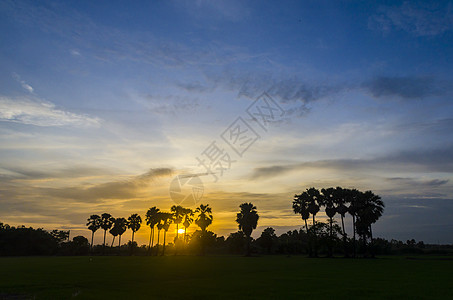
(410, 87)
(34, 111)
(427, 18)
(25, 85)
(435, 160)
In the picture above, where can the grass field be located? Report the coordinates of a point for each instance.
(225, 277)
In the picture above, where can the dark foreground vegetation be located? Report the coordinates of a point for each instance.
(225, 277)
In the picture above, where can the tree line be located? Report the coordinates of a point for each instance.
(364, 208)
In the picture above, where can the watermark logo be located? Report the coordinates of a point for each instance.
(215, 160)
(186, 189)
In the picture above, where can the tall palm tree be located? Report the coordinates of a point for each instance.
(203, 220)
(328, 200)
(94, 223)
(106, 223)
(354, 198)
(114, 231)
(151, 220)
(370, 209)
(188, 219)
(160, 225)
(178, 214)
(313, 201)
(300, 206)
(121, 225)
(342, 197)
(247, 219)
(134, 223)
(167, 219)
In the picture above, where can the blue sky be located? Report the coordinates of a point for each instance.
(103, 103)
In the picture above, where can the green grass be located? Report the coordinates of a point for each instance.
(225, 277)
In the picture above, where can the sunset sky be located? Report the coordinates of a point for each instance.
(103, 103)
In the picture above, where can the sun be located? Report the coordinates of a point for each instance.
(180, 231)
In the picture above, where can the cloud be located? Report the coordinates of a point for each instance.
(34, 111)
(417, 18)
(25, 85)
(406, 87)
(434, 160)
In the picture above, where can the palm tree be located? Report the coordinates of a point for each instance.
(106, 223)
(188, 219)
(121, 225)
(134, 224)
(203, 220)
(114, 232)
(247, 219)
(328, 200)
(160, 226)
(341, 197)
(300, 206)
(370, 209)
(151, 221)
(94, 223)
(167, 219)
(178, 214)
(354, 198)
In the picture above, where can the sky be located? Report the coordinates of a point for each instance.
(103, 104)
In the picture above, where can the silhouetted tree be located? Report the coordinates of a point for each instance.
(188, 219)
(247, 219)
(167, 219)
(370, 209)
(121, 224)
(300, 206)
(152, 220)
(106, 223)
(178, 214)
(329, 201)
(94, 223)
(114, 232)
(268, 239)
(134, 223)
(160, 226)
(341, 199)
(203, 220)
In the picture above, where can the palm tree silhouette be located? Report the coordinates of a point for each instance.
(167, 219)
(151, 220)
(203, 220)
(178, 214)
(369, 209)
(134, 223)
(106, 223)
(247, 219)
(160, 226)
(121, 224)
(329, 201)
(94, 223)
(354, 200)
(300, 206)
(188, 219)
(113, 231)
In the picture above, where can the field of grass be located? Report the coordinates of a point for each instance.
(225, 277)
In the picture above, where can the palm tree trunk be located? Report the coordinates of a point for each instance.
(331, 240)
(92, 238)
(105, 231)
(119, 242)
(112, 242)
(157, 245)
(163, 247)
(306, 226)
(149, 244)
(354, 241)
(371, 243)
(345, 250)
(315, 237)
